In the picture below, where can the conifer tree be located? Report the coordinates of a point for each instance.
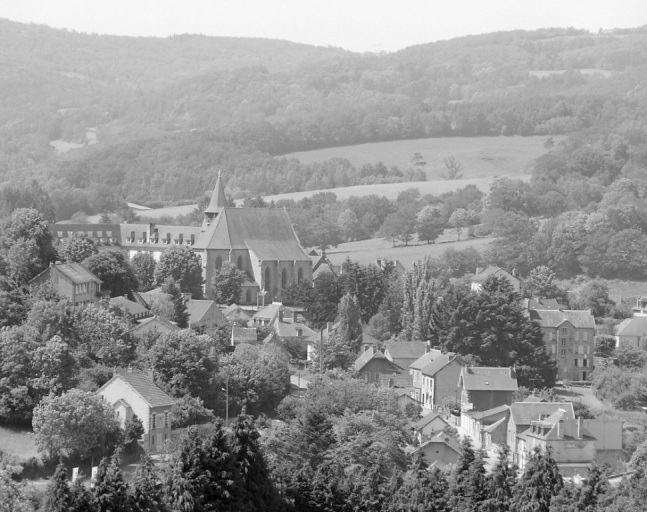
(110, 491)
(256, 487)
(80, 497)
(459, 493)
(186, 480)
(539, 484)
(180, 312)
(58, 496)
(499, 484)
(221, 491)
(424, 301)
(350, 325)
(419, 489)
(595, 487)
(147, 492)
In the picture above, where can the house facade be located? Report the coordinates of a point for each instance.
(484, 388)
(440, 380)
(632, 332)
(373, 367)
(132, 392)
(403, 353)
(440, 451)
(568, 336)
(72, 281)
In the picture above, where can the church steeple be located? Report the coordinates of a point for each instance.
(218, 202)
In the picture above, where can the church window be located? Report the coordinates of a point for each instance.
(239, 263)
(267, 278)
(218, 263)
(299, 275)
(248, 296)
(284, 278)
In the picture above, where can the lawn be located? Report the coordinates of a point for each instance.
(481, 157)
(367, 251)
(17, 442)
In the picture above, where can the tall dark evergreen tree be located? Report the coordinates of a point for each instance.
(540, 482)
(459, 492)
(146, 488)
(110, 491)
(58, 496)
(500, 484)
(222, 489)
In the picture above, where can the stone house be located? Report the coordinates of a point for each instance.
(132, 392)
(484, 388)
(440, 379)
(429, 425)
(440, 451)
(72, 281)
(632, 332)
(568, 335)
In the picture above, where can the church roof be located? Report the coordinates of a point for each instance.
(218, 199)
(266, 232)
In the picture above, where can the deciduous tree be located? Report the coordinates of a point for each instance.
(182, 265)
(227, 283)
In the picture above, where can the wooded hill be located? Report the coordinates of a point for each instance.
(149, 99)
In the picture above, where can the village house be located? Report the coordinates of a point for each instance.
(439, 381)
(568, 335)
(259, 241)
(415, 370)
(403, 353)
(72, 281)
(204, 313)
(440, 451)
(135, 311)
(372, 366)
(236, 315)
(632, 332)
(154, 324)
(482, 275)
(132, 392)
(484, 388)
(495, 420)
(429, 425)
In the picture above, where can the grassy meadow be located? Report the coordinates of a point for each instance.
(481, 157)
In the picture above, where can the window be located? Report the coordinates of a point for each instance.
(218, 263)
(154, 420)
(563, 351)
(166, 419)
(579, 336)
(248, 296)
(267, 278)
(585, 362)
(553, 336)
(576, 362)
(563, 331)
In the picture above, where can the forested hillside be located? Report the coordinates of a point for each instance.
(168, 112)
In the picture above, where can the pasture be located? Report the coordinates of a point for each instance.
(481, 157)
(367, 251)
(17, 442)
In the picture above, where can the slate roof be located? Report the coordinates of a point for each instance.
(634, 326)
(441, 437)
(440, 362)
(580, 319)
(425, 359)
(405, 349)
(74, 272)
(492, 271)
(288, 329)
(130, 307)
(369, 355)
(541, 304)
(495, 425)
(235, 312)
(266, 232)
(524, 412)
(218, 199)
(481, 378)
(426, 420)
(480, 415)
(198, 308)
(156, 319)
(269, 312)
(150, 392)
(244, 334)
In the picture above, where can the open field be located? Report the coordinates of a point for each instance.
(367, 251)
(17, 442)
(480, 157)
(389, 190)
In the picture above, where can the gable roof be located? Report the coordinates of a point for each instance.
(441, 437)
(493, 271)
(438, 363)
(524, 412)
(269, 312)
(405, 349)
(580, 319)
(541, 304)
(198, 308)
(266, 232)
(155, 320)
(481, 378)
(495, 425)
(425, 359)
(426, 420)
(369, 355)
(634, 326)
(139, 382)
(73, 272)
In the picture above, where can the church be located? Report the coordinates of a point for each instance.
(259, 241)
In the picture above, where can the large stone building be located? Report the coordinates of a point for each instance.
(260, 241)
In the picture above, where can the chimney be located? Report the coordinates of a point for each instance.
(280, 315)
(151, 375)
(295, 315)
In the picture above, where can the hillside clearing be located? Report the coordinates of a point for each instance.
(17, 442)
(480, 157)
(367, 251)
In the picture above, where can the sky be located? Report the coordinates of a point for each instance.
(357, 25)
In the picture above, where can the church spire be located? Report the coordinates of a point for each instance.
(218, 199)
